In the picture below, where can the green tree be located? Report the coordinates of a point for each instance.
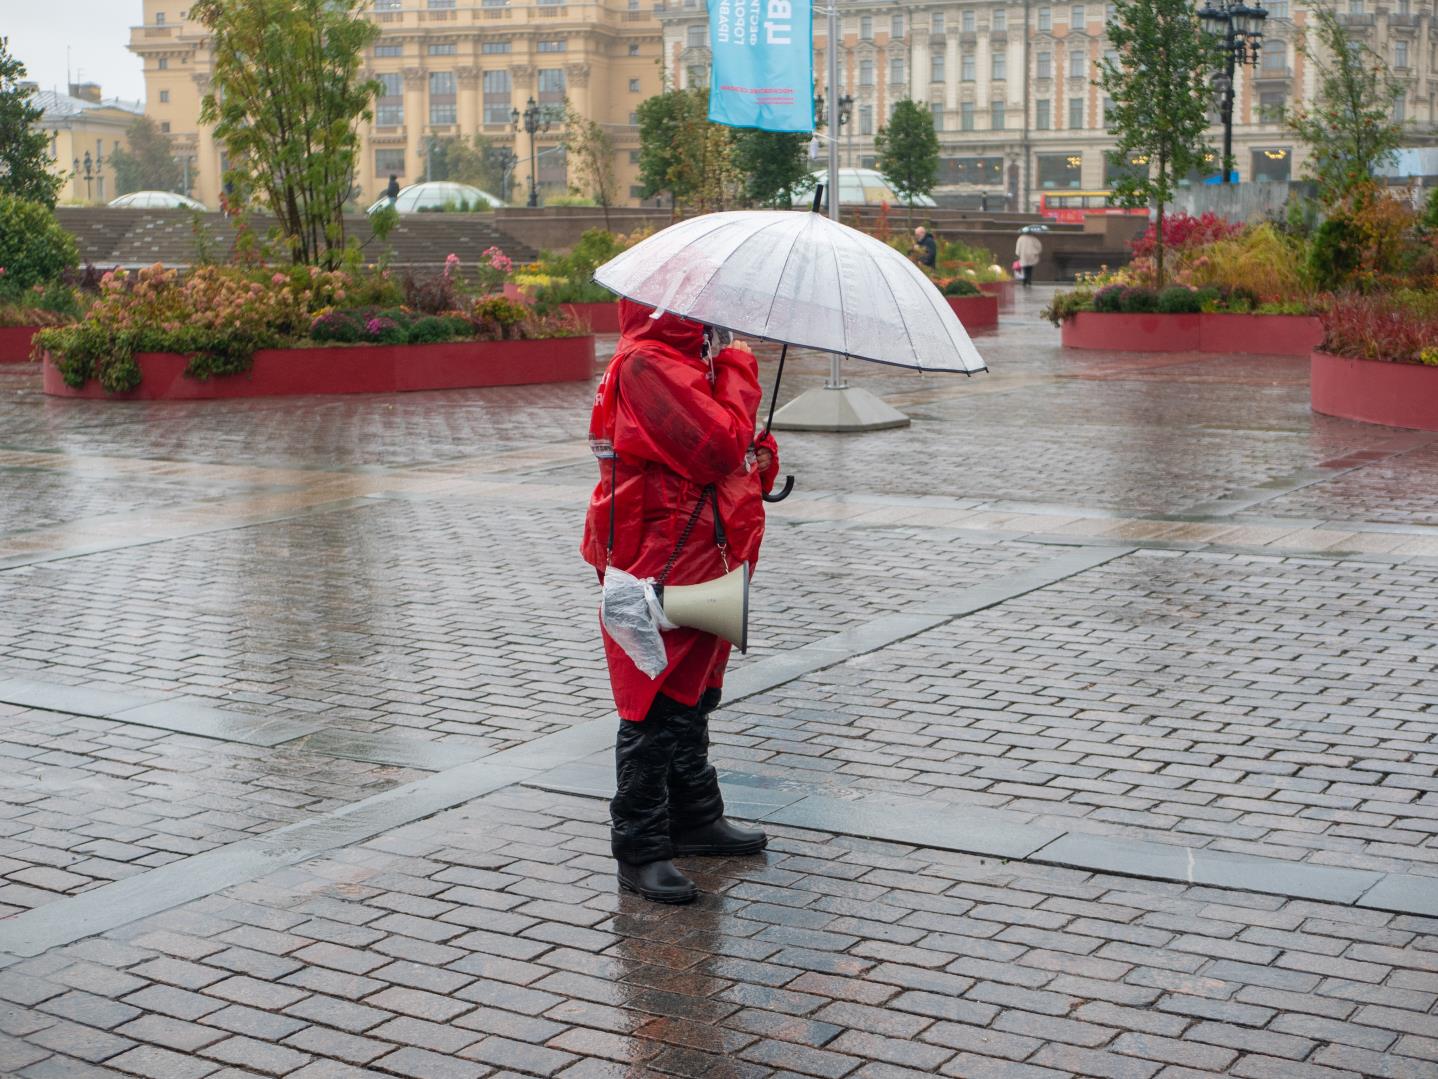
(908, 152)
(591, 149)
(34, 249)
(286, 99)
(1159, 86)
(1349, 128)
(24, 149)
(475, 161)
(774, 165)
(682, 153)
(149, 162)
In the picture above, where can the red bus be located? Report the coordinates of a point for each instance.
(1071, 207)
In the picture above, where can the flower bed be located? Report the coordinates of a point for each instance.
(975, 312)
(15, 343)
(1374, 391)
(598, 317)
(1218, 332)
(354, 369)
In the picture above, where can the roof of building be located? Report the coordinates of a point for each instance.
(59, 106)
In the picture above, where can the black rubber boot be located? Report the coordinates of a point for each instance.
(659, 882)
(696, 806)
(639, 813)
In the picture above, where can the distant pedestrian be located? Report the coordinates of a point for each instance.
(926, 247)
(392, 191)
(1029, 251)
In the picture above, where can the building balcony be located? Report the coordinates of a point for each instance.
(1355, 22)
(1407, 21)
(1273, 74)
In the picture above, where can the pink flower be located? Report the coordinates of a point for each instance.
(278, 279)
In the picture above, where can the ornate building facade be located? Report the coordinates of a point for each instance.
(448, 68)
(1011, 86)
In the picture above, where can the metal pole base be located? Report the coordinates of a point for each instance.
(844, 409)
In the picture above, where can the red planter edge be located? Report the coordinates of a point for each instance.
(599, 317)
(356, 369)
(975, 312)
(1219, 332)
(15, 342)
(1373, 391)
(1004, 290)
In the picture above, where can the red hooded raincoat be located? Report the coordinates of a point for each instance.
(674, 432)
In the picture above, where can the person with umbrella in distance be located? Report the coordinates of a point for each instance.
(678, 500)
(1028, 250)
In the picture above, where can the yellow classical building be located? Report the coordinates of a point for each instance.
(449, 68)
(84, 130)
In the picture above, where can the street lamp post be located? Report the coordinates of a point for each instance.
(1239, 30)
(535, 119)
(92, 168)
(507, 159)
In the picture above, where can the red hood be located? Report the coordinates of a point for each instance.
(638, 327)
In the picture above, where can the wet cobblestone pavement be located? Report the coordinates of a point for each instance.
(1092, 719)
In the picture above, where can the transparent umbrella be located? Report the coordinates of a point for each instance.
(800, 279)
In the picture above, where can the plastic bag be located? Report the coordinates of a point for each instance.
(633, 616)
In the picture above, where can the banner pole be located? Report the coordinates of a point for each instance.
(836, 380)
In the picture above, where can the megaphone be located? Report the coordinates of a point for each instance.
(720, 606)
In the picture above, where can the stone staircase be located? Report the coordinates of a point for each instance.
(136, 237)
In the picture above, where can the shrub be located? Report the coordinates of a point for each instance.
(1107, 298)
(1067, 304)
(338, 326)
(34, 249)
(434, 292)
(384, 330)
(570, 290)
(498, 319)
(1259, 260)
(962, 286)
(1379, 328)
(429, 330)
(1179, 300)
(1182, 231)
(1138, 301)
(1334, 254)
(1209, 298)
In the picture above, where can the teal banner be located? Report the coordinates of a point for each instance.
(763, 64)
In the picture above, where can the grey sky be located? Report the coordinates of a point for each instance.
(95, 31)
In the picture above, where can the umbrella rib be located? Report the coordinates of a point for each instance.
(899, 308)
(775, 299)
(742, 243)
(839, 284)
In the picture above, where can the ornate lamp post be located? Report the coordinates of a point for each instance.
(93, 166)
(846, 109)
(1238, 30)
(535, 119)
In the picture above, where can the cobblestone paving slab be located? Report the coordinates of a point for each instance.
(1403, 490)
(84, 802)
(491, 941)
(445, 618)
(1267, 706)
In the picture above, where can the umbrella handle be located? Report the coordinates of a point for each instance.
(782, 493)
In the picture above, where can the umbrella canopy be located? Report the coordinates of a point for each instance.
(157, 200)
(799, 278)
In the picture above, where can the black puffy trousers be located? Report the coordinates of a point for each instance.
(664, 781)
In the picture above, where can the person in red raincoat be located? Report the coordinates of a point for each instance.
(673, 426)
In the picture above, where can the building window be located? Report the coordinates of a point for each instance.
(442, 99)
(1045, 65)
(936, 66)
(435, 5)
(866, 27)
(1077, 19)
(1274, 165)
(1400, 108)
(1046, 19)
(1116, 170)
(1075, 113)
(164, 97)
(497, 94)
(694, 36)
(551, 46)
(494, 48)
(164, 63)
(447, 48)
(1041, 114)
(389, 163)
(866, 119)
(966, 116)
(1400, 54)
(1001, 19)
(634, 157)
(866, 73)
(697, 75)
(1274, 56)
(387, 5)
(551, 86)
(634, 86)
(165, 126)
(1000, 69)
(1355, 7)
(159, 18)
(968, 21)
(1077, 62)
(1059, 171)
(971, 170)
(896, 72)
(996, 116)
(389, 106)
(936, 114)
(936, 22)
(966, 67)
(896, 27)
(1270, 106)
(633, 119)
(389, 50)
